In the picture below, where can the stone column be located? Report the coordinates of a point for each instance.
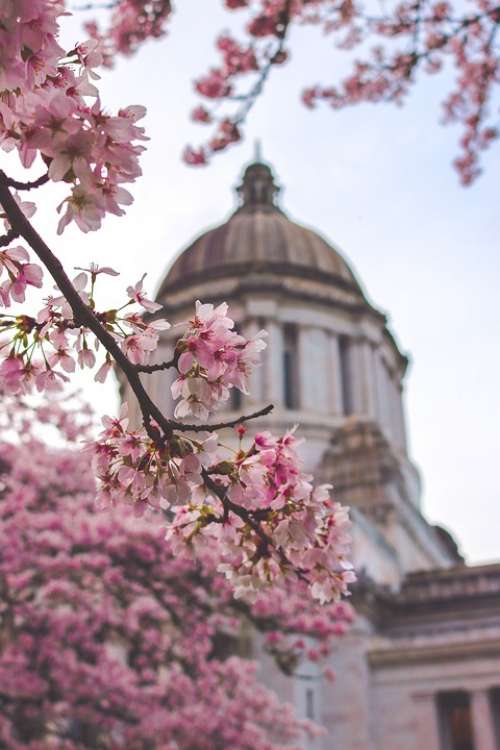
(355, 374)
(312, 369)
(256, 379)
(427, 722)
(362, 376)
(386, 397)
(273, 364)
(335, 376)
(379, 387)
(367, 384)
(482, 721)
(400, 417)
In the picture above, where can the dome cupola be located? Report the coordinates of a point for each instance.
(260, 240)
(258, 191)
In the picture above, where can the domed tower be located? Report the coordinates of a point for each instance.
(331, 366)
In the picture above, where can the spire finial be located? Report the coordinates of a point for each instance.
(258, 189)
(258, 151)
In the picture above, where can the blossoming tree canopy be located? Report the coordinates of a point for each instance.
(109, 639)
(255, 510)
(394, 45)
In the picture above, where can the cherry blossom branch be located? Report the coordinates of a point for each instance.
(251, 97)
(83, 315)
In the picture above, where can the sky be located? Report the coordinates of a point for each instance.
(378, 182)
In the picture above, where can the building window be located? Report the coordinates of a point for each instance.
(345, 375)
(455, 720)
(495, 713)
(236, 399)
(290, 368)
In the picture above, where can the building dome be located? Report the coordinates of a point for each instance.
(259, 238)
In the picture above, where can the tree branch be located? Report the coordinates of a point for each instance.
(8, 237)
(85, 316)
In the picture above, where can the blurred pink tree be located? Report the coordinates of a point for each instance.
(108, 640)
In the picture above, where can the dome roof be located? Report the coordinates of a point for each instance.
(259, 238)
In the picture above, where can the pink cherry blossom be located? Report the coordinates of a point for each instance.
(212, 359)
(136, 294)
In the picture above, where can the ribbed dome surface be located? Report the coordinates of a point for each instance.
(259, 238)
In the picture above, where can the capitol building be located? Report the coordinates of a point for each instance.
(420, 667)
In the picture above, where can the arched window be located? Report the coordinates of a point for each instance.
(291, 398)
(345, 355)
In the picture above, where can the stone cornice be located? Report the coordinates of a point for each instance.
(302, 285)
(443, 652)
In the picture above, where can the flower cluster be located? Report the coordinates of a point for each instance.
(134, 469)
(44, 111)
(404, 39)
(131, 23)
(41, 351)
(269, 522)
(212, 358)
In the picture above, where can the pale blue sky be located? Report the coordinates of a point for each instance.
(377, 182)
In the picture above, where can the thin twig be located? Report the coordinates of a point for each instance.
(17, 185)
(148, 369)
(250, 98)
(182, 427)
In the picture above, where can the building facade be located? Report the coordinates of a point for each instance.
(421, 666)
